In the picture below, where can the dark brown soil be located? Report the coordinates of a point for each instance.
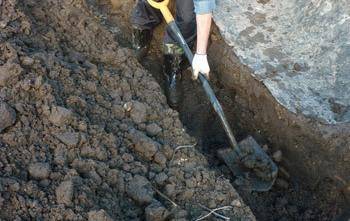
(85, 131)
(291, 198)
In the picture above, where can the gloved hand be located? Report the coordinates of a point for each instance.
(200, 64)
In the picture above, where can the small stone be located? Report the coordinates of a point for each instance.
(7, 116)
(140, 190)
(277, 156)
(39, 171)
(64, 193)
(153, 129)
(127, 106)
(156, 212)
(100, 215)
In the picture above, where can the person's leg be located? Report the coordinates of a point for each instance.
(186, 21)
(144, 19)
(173, 54)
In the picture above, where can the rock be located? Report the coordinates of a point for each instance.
(39, 171)
(138, 112)
(140, 190)
(156, 212)
(70, 139)
(144, 145)
(64, 193)
(277, 156)
(59, 115)
(304, 63)
(7, 116)
(100, 215)
(153, 129)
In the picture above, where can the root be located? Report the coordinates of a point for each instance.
(179, 148)
(165, 197)
(214, 212)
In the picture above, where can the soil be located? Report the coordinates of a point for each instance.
(85, 130)
(291, 198)
(89, 136)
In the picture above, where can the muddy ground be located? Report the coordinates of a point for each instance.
(85, 132)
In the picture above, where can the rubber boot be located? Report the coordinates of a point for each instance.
(172, 68)
(141, 39)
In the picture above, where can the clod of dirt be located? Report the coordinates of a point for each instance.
(100, 215)
(8, 72)
(138, 112)
(153, 129)
(140, 189)
(39, 171)
(7, 116)
(59, 115)
(156, 212)
(144, 145)
(70, 139)
(64, 193)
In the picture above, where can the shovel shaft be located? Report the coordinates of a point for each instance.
(206, 86)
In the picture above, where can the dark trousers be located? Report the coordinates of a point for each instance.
(146, 17)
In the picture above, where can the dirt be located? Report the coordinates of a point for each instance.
(86, 133)
(292, 197)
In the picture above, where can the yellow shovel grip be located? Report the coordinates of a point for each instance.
(163, 7)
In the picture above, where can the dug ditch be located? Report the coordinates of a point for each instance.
(291, 198)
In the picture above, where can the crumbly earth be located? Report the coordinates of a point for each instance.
(88, 134)
(291, 198)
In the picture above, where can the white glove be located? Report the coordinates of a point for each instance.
(200, 64)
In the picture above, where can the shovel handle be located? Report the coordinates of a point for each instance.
(163, 7)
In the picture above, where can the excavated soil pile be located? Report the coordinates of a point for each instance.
(85, 133)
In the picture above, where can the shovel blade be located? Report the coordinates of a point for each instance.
(253, 168)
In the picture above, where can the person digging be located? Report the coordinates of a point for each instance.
(193, 18)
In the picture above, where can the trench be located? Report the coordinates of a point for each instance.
(290, 198)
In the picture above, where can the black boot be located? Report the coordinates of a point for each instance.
(141, 41)
(173, 61)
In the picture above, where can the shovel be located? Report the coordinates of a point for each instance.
(252, 167)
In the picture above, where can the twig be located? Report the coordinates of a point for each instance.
(214, 212)
(179, 148)
(165, 197)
